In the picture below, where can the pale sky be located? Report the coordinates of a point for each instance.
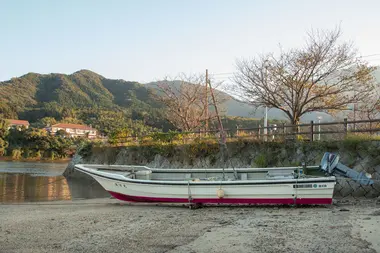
(146, 40)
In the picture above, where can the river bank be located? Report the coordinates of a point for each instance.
(39, 181)
(107, 225)
(42, 160)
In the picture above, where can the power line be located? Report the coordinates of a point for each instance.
(219, 74)
(226, 75)
(377, 59)
(366, 56)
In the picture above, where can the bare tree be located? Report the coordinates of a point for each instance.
(185, 101)
(324, 75)
(368, 110)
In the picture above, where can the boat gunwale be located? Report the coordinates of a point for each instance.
(122, 178)
(193, 170)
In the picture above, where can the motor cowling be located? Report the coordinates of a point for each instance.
(330, 165)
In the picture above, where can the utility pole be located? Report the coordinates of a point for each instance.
(223, 137)
(355, 110)
(319, 127)
(354, 116)
(206, 102)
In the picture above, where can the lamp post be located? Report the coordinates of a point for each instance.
(319, 127)
(266, 124)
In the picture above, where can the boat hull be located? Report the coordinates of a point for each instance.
(229, 200)
(318, 191)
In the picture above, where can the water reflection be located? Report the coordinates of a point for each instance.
(28, 182)
(26, 187)
(35, 168)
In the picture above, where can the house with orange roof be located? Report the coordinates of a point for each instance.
(16, 123)
(74, 130)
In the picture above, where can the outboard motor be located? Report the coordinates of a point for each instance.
(331, 165)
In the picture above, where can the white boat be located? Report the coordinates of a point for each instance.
(207, 186)
(287, 185)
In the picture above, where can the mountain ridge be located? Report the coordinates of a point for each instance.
(33, 96)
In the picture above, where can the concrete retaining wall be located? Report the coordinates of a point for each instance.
(360, 155)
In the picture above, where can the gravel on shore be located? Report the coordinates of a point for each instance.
(107, 225)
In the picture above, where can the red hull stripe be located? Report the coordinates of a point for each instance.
(270, 201)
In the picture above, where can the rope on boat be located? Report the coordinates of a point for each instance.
(189, 193)
(296, 193)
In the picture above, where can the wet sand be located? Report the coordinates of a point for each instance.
(107, 225)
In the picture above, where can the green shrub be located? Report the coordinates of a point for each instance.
(202, 148)
(354, 141)
(86, 150)
(52, 155)
(261, 161)
(26, 153)
(166, 137)
(38, 154)
(16, 153)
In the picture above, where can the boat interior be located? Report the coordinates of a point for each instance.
(329, 166)
(207, 174)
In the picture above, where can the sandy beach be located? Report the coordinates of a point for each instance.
(107, 225)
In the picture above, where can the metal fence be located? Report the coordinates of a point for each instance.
(312, 131)
(275, 132)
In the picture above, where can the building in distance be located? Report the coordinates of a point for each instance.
(74, 130)
(16, 123)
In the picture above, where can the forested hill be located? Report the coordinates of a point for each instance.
(83, 96)
(80, 89)
(89, 98)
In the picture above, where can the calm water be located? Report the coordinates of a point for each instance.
(34, 181)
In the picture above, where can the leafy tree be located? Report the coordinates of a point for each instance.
(3, 128)
(3, 135)
(69, 113)
(3, 146)
(44, 122)
(34, 142)
(48, 121)
(62, 133)
(71, 120)
(120, 135)
(59, 147)
(6, 112)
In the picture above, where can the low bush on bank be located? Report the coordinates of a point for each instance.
(38, 144)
